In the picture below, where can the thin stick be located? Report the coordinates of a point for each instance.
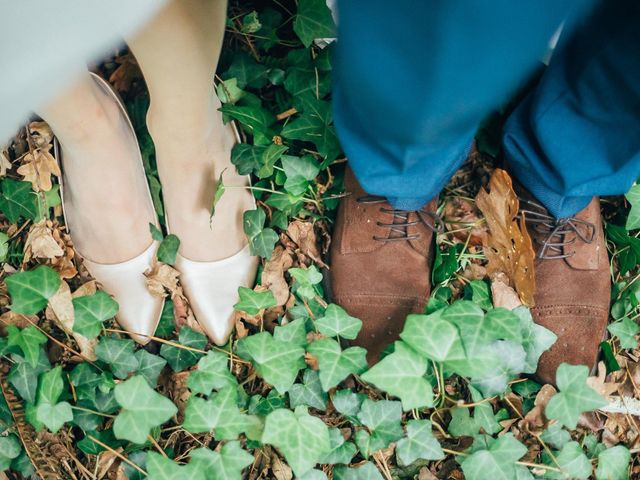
(117, 454)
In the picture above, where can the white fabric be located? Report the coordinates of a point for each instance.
(45, 43)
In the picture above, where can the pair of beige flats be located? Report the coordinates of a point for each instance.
(211, 287)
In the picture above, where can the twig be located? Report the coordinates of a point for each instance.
(117, 454)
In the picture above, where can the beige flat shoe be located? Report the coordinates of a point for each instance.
(139, 311)
(212, 287)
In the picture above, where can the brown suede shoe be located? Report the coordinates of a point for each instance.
(380, 264)
(572, 284)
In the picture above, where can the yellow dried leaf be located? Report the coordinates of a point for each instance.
(40, 242)
(41, 134)
(273, 274)
(162, 278)
(508, 248)
(5, 163)
(38, 167)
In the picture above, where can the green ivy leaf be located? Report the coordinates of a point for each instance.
(478, 292)
(212, 374)
(299, 171)
(303, 439)
(226, 464)
(18, 200)
(535, 339)
(10, 448)
(252, 301)
(90, 311)
(336, 322)
(312, 21)
(118, 354)
(309, 392)
(293, 332)
(556, 436)
(432, 336)
(275, 361)
(219, 413)
(383, 420)
(461, 424)
(24, 377)
(348, 403)
(335, 364)
(48, 410)
(149, 366)
(574, 397)
(573, 463)
(4, 246)
(307, 279)
(496, 462)
(168, 248)
(182, 358)
(142, 409)
(261, 240)
(401, 374)
(626, 331)
(229, 92)
(341, 451)
(613, 463)
(31, 290)
(633, 196)
(162, 468)
(314, 125)
(366, 471)
(28, 340)
(419, 443)
(256, 159)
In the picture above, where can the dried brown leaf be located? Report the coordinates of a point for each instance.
(162, 278)
(5, 163)
(502, 294)
(508, 248)
(37, 168)
(41, 134)
(273, 274)
(40, 242)
(304, 236)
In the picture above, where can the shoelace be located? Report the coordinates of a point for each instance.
(400, 231)
(554, 230)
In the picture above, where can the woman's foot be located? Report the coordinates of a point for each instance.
(106, 200)
(191, 157)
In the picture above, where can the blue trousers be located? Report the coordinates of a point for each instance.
(413, 80)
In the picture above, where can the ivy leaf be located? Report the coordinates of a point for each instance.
(149, 366)
(306, 279)
(556, 436)
(335, 364)
(299, 171)
(182, 358)
(313, 21)
(226, 464)
(383, 420)
(252, 301)
(294, 332)
(212, 374)
(48, 410)
(314, 475)
(613, 463)
(314, 126)
(461, 424)
(18, 200)
(432, 336)
(401, 374)
(118, 354)
(256, 159)
(261, 240)
(275, 361)
(336, 322)
(28, 340)
(31, 290)
(478, 292)
(419, 443)
(302, 439)
(497, 462)
(90, 311)
(142, 409)
(309, 392)
(10, 448)
(348, 403)
(4, 246)
(626, 331)
(366, 471)
(574, 397)
(341, 450)
(162, 468)
(219, 413)
(573, 463)
(633, 196)
(535, 339)
(24, 377)
(168, 248)
(229, 92)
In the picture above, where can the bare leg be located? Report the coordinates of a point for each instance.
(106, 203)
(178, 52)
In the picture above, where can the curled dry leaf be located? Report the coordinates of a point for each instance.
(600, 384)
(508, 248)
(41, 243)
(63, 264)
(535, 418)
(304, 236)
(12, 318)
(502, 294)
(127, 72)
(5, 163)
(41, 134)
(37, 168)
(60, 311)
(162, 278)
(273, 274)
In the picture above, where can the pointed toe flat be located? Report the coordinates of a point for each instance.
(139, 312)
(212, 289)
